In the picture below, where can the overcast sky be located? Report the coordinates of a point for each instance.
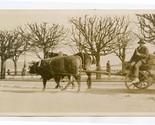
(10, 19)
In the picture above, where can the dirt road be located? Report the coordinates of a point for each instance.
(25, 98)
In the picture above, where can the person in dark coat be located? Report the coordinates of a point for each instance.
(108, 66)
(8, 72)
(139, 57)
(24, 70)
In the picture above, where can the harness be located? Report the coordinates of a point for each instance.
(49, 69)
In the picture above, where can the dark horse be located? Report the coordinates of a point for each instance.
(87, 61)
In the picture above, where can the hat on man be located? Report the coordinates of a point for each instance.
(141, 41)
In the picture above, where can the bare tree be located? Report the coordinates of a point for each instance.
(17, 49)
(5, 50)
(122, 46)
(123, 42)
(76, 41)
(147, 26)
(44, 38)
(98, 34)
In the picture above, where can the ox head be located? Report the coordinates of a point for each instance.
(51, 54)
(33, 67)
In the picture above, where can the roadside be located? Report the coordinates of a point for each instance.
(35, 78)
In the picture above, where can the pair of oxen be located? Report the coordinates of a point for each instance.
(58, 67)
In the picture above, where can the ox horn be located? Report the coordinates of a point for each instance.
(93, 59)
(39, 64)
(32, 62)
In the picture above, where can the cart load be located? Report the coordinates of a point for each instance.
(151, 59)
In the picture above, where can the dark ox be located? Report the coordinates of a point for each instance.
(87, 61)
(57, 68)
(51, 55)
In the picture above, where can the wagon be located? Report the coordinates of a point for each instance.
(146, 76)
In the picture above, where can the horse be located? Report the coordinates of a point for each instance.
(87, 61)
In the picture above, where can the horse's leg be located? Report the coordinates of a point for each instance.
(89, 82)
(44, 84)
(78, 79)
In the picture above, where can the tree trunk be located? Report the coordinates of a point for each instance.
(3, 68)
(123, 61)
(98, 66)
(123, 67)
(15, 67)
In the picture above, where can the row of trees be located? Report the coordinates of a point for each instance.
(97, 36)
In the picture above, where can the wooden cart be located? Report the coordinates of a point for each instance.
(146, 76)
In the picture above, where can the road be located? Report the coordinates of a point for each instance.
(26, 98)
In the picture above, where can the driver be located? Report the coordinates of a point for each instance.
(138, 58)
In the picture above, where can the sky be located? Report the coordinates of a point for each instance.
(10, 19)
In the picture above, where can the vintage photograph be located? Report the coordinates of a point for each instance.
(77, 62)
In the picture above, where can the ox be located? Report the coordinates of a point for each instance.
(87, 61)
(57, 68)
(51, 55)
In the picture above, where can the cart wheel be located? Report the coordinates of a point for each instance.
(137, 87)
(150, 80)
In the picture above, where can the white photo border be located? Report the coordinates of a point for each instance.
(77, 4)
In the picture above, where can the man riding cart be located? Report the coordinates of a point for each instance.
(139, 58)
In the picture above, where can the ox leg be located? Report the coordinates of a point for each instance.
(44, 84)
(57, 80)
(57, 86)
(71, 80)
(78, 79)
(89, 82)
(68, 84)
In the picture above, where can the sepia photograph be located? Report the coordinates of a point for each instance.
(77, 62)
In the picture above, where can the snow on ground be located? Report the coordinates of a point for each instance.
(26, 98)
